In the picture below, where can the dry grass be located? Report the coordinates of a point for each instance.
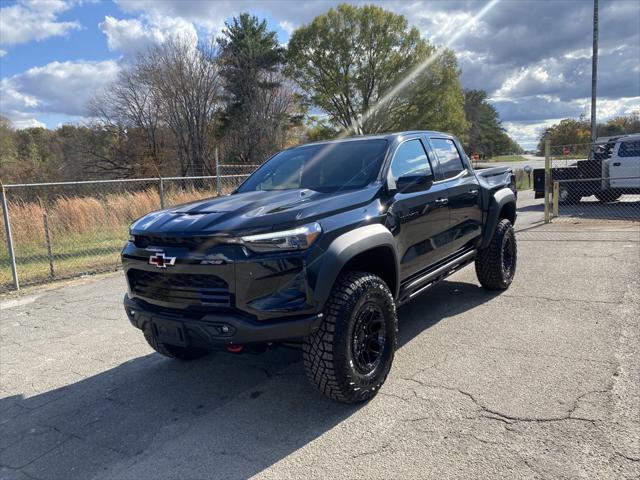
(71, 216)
(86, 232)
(26, 222)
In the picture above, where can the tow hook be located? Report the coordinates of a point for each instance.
(233, 348)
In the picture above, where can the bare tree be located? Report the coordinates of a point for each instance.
(128, 104)
(185, 81)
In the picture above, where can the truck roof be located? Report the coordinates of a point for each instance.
(381, 136)
(615, 138)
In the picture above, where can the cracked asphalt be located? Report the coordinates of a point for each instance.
(541, 381)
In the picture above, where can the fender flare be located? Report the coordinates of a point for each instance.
(347, 246)
(499, 199)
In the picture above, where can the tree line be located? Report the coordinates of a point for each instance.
(245, 96)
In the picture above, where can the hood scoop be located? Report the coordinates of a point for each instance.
(197, 212)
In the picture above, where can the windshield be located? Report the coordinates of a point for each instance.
(324, 168)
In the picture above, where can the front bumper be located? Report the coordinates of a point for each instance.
(217, 329)
(219, 279)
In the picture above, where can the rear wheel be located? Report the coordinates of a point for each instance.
(349, 357)
(608, 196)
(173, 351)
(496, 264)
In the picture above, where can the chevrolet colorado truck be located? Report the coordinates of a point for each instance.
(317, 248)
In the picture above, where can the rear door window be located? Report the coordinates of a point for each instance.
(448, 157)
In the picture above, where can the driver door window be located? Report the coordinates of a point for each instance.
(410, 160)
(421, 224)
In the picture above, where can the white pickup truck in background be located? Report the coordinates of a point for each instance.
(624, 164)
(612, 170)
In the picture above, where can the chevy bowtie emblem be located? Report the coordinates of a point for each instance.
(160, 261)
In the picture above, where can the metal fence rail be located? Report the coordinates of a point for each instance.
(584, 182)
(67, 229)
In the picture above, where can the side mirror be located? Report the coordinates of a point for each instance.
(413, 183)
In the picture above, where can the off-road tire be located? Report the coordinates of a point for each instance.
(490, 261)
(607, 196)
(328, 353)
(173, 351)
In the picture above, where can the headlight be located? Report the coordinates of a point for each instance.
(295, 239)
(132, 238)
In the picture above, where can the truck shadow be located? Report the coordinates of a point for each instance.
(224, 416)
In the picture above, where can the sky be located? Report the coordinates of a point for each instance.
(533, 57)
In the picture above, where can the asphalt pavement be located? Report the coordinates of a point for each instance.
(540, 381)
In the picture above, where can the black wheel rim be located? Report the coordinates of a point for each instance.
(508, 256)
(368, 341)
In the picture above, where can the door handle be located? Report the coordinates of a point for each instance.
(442, 201)
(473, 191)
(616, 164)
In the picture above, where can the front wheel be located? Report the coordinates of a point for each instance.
(349, 357)
(496, 264)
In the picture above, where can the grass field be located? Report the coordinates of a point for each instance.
(86, 234)
(72, 256)
(523, 182)
(506, 158)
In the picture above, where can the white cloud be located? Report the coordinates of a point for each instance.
(28, 123)
(34, 20)
(56, 88)
(528, 134)
(131, 36)
(209, 16)
(287, 26)
(2, 53)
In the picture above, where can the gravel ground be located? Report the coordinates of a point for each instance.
(540, 381)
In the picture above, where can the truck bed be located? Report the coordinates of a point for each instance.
(498, 177)
(588, 172)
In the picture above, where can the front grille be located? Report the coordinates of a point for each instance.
(192, 243)
(180, 288)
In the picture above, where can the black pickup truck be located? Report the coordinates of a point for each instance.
(317, 248)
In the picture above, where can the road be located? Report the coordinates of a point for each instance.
(537, 382)
(531, 160)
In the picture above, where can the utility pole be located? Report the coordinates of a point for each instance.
(594, 72)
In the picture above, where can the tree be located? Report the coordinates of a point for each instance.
(129, 106)
(261, 105)
(436, 99)
(620, 125)
(168, 102)
(486, 136)
(318, 129)
(185, 80)
(568, 132)
(348, 59)
(8, 153)
(248, 53)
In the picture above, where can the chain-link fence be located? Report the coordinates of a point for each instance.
(591, 181)
(62, 230)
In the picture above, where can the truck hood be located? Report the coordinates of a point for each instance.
(251, 211)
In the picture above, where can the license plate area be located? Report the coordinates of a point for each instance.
(169, 331)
